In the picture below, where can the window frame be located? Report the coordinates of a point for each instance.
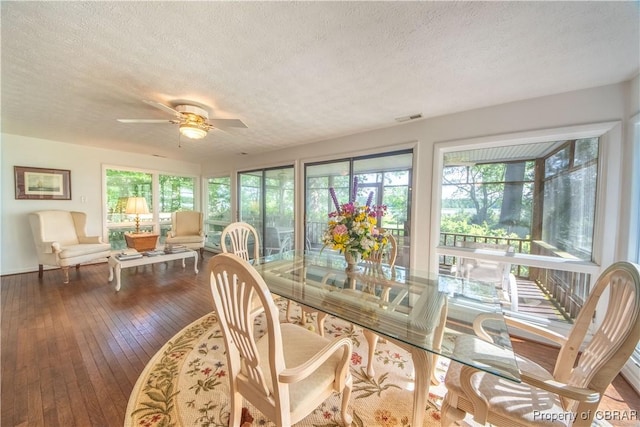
(631, 370)
(608, 194)
(155, 222)
(569, 170)
(263, 171)
(350, 161)
(211, 241)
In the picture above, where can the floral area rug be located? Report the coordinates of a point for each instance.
(186, 384)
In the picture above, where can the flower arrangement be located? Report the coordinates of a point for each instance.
(352, 227)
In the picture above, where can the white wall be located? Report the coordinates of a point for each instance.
(17, 253)
(602, 104)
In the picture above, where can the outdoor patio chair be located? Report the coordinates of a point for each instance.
(490, 271)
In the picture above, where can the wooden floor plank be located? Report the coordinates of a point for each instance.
(71, 353)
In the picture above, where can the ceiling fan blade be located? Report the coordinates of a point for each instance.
(163, 107)
(143, 121)
(226, 123)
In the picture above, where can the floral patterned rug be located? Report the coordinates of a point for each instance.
(185, 384)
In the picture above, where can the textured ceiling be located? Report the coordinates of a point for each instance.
(294, 72)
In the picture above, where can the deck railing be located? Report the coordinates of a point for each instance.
(567, 290)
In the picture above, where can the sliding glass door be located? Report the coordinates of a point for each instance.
(218, 213)
(266, 201)
(388, 176)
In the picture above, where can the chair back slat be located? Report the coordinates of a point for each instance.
(235, 290)
(596, 362)
(239, 234)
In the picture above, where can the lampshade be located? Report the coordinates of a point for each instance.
(192, 131)
(136, 205)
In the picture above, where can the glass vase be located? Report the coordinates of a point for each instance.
(352, 259)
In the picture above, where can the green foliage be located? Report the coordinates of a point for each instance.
(219, 190)
(461, 223)
(176, 193)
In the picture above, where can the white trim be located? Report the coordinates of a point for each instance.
(409, 145)
(528, 137)
(540, 261)
(631, 369)
(634, 211)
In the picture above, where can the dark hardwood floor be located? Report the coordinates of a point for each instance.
(71, 353)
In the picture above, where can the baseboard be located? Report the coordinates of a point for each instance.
(48, 267)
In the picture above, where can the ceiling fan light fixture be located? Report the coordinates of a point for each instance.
(192, 131)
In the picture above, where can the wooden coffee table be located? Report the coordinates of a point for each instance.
(118, 265)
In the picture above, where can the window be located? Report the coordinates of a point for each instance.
(218, 214)
(173, 193)
(388, 176)
(177, 193)
(540, 196)
(122, 184)
(569, 200)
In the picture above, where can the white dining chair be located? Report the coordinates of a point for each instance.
(584, 368)
(241, 238)
(287, 373)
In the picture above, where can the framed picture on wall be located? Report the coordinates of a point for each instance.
(42, 183)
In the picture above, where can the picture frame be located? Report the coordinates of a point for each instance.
(42, 183)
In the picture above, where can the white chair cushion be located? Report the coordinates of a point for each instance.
(73, 251)
(181, 240)
(300, 345)
(516, 401)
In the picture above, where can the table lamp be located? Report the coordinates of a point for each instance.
(137, 206)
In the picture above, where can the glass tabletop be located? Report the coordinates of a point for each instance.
(423, 310)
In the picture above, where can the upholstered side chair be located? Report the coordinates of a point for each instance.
(61, 240)
(187, 230)
(287, 373)
(569, 395)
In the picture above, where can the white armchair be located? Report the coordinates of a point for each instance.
(186, 229)
(61, 240)
(568, 395)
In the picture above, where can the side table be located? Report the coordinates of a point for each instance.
(141, 241)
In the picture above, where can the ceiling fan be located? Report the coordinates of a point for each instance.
(194, 121)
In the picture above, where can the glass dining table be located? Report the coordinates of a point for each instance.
(424, 313)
